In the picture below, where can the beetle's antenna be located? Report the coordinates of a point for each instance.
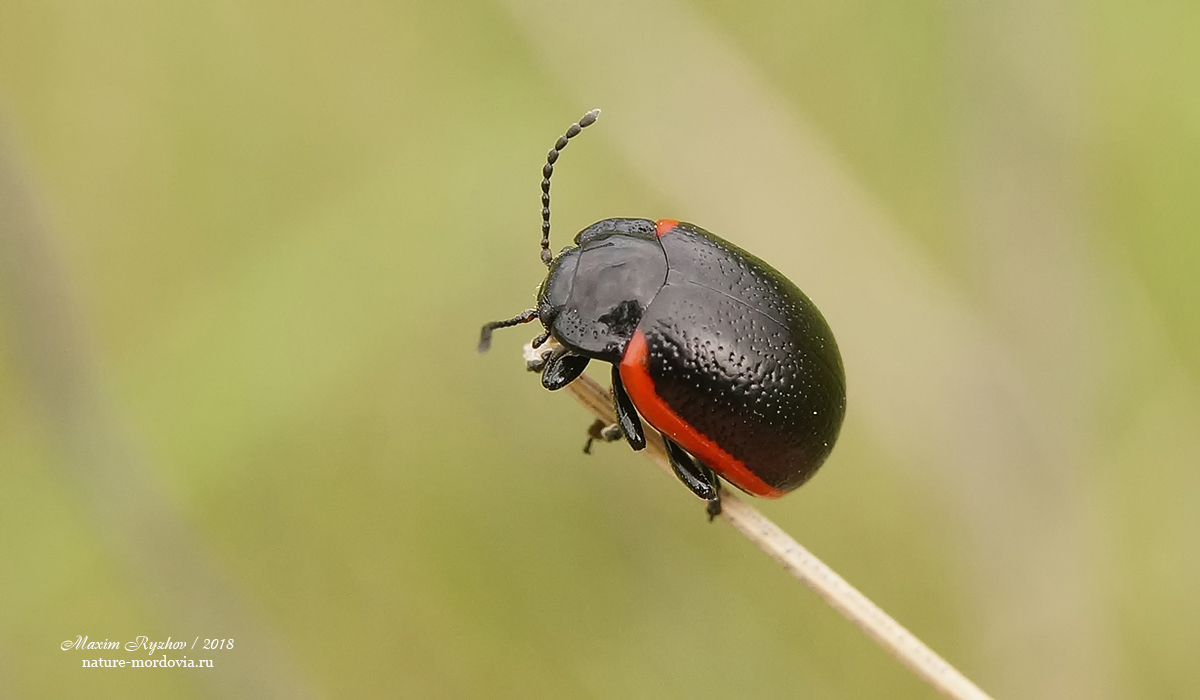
(548, 170)
(485, 335)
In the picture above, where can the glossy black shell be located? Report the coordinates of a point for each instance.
(733, 347)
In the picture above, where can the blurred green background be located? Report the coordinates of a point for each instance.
(246, 247)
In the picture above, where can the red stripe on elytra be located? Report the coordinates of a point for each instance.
(640, 387)
(663, 226)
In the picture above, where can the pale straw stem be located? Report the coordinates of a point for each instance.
(802, 564)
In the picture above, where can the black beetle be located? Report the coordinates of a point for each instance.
(721, 353)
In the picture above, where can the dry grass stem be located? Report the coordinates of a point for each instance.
(802, 564)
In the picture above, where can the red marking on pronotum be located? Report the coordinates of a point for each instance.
(663, 226)
(640, 387)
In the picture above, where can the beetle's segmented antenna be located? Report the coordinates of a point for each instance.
(548, 170)
(485, 334)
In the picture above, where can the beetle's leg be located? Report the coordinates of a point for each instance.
(599, 430)
(627, 417)
(693, 475)
(696, 476)
(562, 368)
(485, 334)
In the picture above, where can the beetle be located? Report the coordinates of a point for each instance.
(722, 354)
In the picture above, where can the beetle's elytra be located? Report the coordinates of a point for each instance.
(713, 347)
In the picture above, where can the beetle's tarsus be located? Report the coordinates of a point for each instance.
(713, 508)
(604, 432)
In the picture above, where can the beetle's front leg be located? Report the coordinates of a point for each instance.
(562, 368)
